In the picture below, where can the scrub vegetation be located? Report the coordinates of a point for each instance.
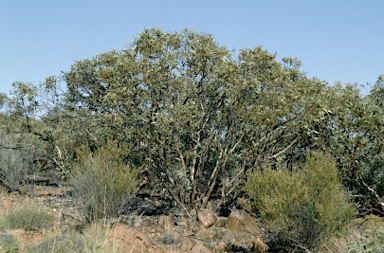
(177, 112)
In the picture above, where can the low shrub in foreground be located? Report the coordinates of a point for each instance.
(102, 183)
(306, 207)
(28, 216)
(95, 239)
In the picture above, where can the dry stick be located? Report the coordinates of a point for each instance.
(145, 181)
(62, 167)
(290, 145)
(374, 192)
(70, 216)
(174, 197)
(170, 192)
(93, 137)
(16, 148)
(210, 186)
(240, 173)
(178, 192)
(61, 158)
(184, 166)
(193, 170)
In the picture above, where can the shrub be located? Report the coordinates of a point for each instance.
(102, 182)
(95, 238)
(15, 164)
(305, 207)
(28, 216)
(8, 243)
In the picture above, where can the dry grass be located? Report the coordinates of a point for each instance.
(8, 243)
(27, 216)
(95, 238)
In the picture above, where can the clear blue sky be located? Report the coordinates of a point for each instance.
(335, 40)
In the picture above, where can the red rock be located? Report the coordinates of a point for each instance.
(220, 223)
(187, 244)
(221, 246)
(259, 246)
(207, 217)
(241, 221)
(201, 248)
(166, 221)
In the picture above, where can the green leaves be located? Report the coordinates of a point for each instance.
(197, 114)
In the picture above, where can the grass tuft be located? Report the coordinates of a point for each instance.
(28, 216)
(95, 239)
(8, 243)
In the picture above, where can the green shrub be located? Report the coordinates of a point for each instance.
(103, 184)
(305, 207)
(28, 216)
(8, 243)
(95, 238)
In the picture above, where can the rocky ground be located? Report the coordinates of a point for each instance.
(150, 225)
(155, 225)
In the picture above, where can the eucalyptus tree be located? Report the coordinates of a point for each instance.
(350, 127)
(358, 141)
(196, 116)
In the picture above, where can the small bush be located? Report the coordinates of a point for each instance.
(102, 182)
(28, 216)
(8, 243)
(305, 207)
(94, 239)
(16, 164)
(58, 243)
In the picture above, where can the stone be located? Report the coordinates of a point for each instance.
(187, 244)
(187, 233)
(166, 222)
(207, 217)
(182, 222)
(158, 229)
(221, 246)
(158, 204)
(207, 235)
(145, 226)
(201, 248)
(220, 223)
(259, 246)
(241, 221)
(130, 240)
(229, 237)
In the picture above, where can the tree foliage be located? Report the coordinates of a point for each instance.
(200, 117)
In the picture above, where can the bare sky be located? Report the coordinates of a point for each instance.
(335, 40)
